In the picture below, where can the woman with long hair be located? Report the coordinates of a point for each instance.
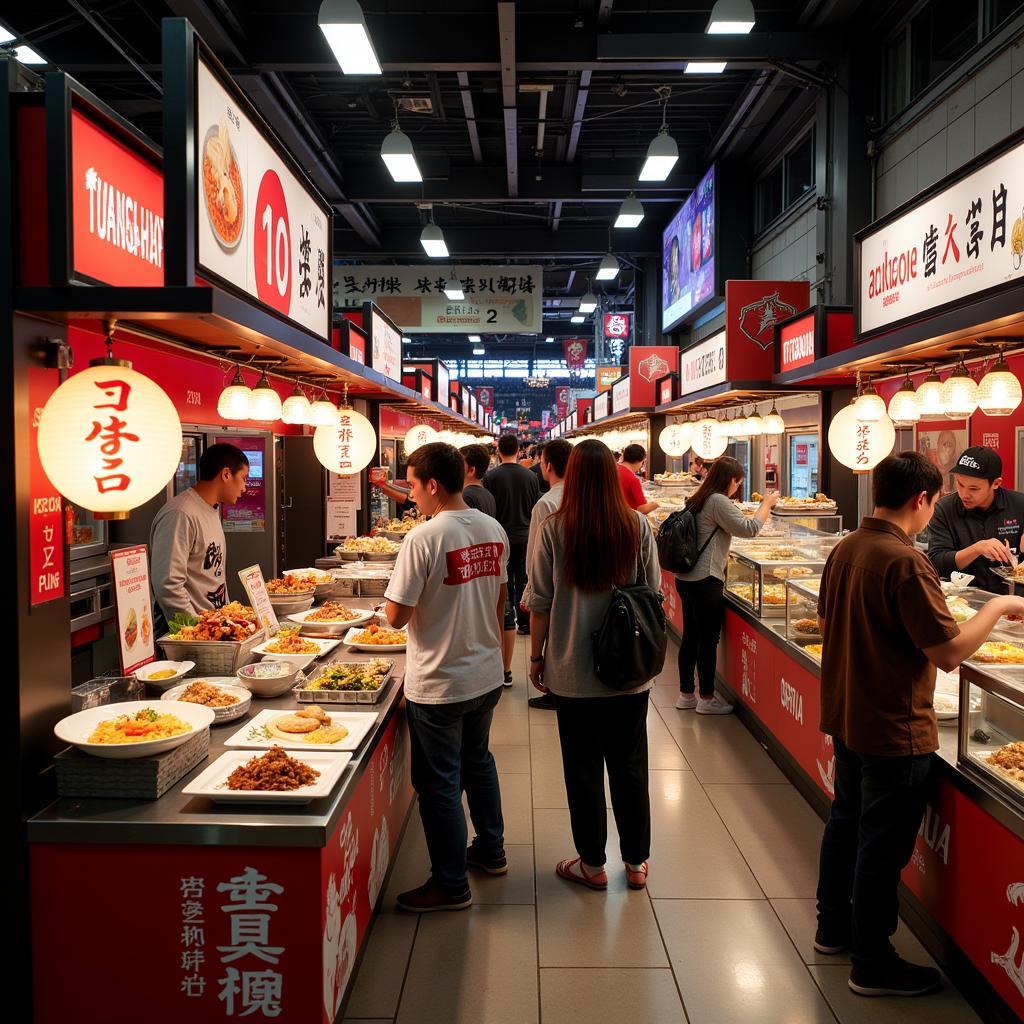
(702, 590)
(592, 544)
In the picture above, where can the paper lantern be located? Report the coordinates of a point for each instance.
(673, 441)
(959, 394)
(858, 445)
(773, 423)
(999, 392)
(295, 409)
(755, 426)
(929, 397)
(265, 404)
(347, 446)
(709, 440)
(420, 435)
(323, 412)
(109, 439)
(233, 403)
(903, 408)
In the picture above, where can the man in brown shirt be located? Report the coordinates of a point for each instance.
(885, 627)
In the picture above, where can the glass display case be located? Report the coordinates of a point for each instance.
(819, 522)
(802, 609)
(990, 746)
(757, 572)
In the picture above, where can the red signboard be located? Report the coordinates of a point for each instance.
(485, 396)
(616, 325)
(647, 364)
(811, 334)
(117, 209)
(45, 520)
(357, 346)
(575, 353)
(561, 403)
(798, 343)
(752, 309)
(673, 605)
(801, 455)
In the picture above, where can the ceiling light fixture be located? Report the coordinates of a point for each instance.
(406, 341)
(549, 340)
(398, 154)
(904, 410)
(344, 27)
(608, 269)
(578, 319)
(323, 412)
(868, 406)
(929, 397)
(663, 152)
(704, 67)
(295, 408)
(773, 423)
(475, 339)
(453, 289)
(959, 393)
(233, 403)
(999, 392)
(265, 404)
(588, 303)
(27, 55)
(479, 351)
(432, 240)
(731, 17)
(631, 212)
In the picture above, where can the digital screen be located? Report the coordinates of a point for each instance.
(255, 463)
(688, 255)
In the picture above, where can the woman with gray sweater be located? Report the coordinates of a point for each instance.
(702, 590)
(593, 543)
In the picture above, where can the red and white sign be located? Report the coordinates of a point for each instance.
(801, 455)
(665, 391)
(954, 245)
(117, 209)
(752, 309)
(357, 346)
(485, 397)
(798, 344)
(620, 395)
(703, 365)
(673, 605)
(602, 405)
(259, 598)
(616, 325)
(607, 375)
(130, 571)
(385, 347)
(260, 227)
(575, 353)
(561, 403)
(472, 563)
(646, 364)
(45, 519)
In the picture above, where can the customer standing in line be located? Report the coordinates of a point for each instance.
(449, 588)
(885, 628)
(633, 458)
(538, 471)
(554, 458)
(593, 543)
(702, 589)
(515, 491)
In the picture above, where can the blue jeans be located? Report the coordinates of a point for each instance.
(868, 841)
(450, 754)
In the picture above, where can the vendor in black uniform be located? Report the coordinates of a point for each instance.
(978, 528)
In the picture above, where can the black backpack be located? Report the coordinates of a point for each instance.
(677, 542)
(629, 648)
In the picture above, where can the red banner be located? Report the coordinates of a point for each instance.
(561, 403)
(45, 522)
(575, 353)
(485, 397)
(616, 325)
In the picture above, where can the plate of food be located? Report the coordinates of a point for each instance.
(234, 623)
(222, 187)
(331, 618)
(806, 627)
(947, 706)
(959, 608)
(1012, 574)
(957, 581)
(221, 694)
(998, 652)
(290, 585)
(373, 549)
(136, 728)
(347, 682)
(1007, 761)
(813, 651)
(162, 674)
(240, 776)
(291, 644)
(307, 728)
(821, 504)
(377, 638)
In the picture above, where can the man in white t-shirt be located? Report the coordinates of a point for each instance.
(449, 588)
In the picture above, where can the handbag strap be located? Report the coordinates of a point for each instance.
(707, 542)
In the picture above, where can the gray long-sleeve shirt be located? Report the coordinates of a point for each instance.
(575, 615)
(722, 512)
(187, 551)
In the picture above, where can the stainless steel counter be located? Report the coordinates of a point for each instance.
(175, 819)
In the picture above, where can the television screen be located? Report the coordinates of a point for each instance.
(688, 255)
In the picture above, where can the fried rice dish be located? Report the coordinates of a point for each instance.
(207, 694)
(145, 725)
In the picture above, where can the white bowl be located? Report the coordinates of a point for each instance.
(181, 669)
(76, 729)
(286, 604)
(268, 678)
(227, 683)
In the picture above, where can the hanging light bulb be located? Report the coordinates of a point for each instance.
(432, 240)
(295, 408)
(663, 152)
(868, 407)
(959, 393)
(737, 427)
(588, 303)
(608, 269)
(999, 392)
(323, 412)
(233, 403)
(398, 155)
(773, 423)
(631, 212)
(904, 410)
(929, 397)
(265, 404)
(755, 425)
(453, 289)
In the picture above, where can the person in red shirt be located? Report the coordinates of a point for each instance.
(633, 458)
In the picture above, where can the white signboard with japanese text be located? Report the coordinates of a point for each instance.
(259, 227)
(703, 365)
(620, 395)
(601, 405)
(963, 240)
(386, 349)
(259, 598)
(130, 571)
(498, 300)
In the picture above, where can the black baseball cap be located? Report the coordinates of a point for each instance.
(979, 461)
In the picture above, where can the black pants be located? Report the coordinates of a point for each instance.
(702, 626)
(595, 732)
(517, 579)
(868, 841)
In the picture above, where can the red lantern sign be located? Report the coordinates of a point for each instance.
(616, 325)
(575, 353)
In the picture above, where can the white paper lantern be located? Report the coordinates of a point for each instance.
(869, 406)
(999, 392)
(755, 426)
(265, 404)
(903, 408)
(773, 423)
(109, 439)
(709, 440)
(858, 445)
(421, 434)
(673, 442)
(959, 394)
(233, 403)
(929, 397)
(295, 408)
(348, 446)
(323, 412)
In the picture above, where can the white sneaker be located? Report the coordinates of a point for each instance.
(713, 706)
(686, 702)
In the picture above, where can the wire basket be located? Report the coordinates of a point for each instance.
(212, 657)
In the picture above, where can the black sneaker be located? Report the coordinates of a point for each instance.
(523, 630)
(430, 897)
(894, 977)
(545, 702)
(492, 865)
(507, 682)
(830, 945)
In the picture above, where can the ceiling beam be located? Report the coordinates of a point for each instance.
(756, 48)
(583, 91)
(509, 94)
(604, 12)
(467, 109)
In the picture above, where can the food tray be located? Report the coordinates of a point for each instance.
(145, 778)
(358, 724)
(303, 693)
(373, 587)
(211, 782)
(212, 657)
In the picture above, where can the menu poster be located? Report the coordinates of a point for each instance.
(249, 513)
(340, 519)
(259, 599)
(130, 570)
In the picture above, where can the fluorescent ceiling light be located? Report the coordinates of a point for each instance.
(453, 289)
(731, 17)
(608, 270)
(588, 303)
(29, 56)
(631, 212)
(344, 26)
(432, 241)
(662, 155)
(549, 340)
(397, 153)
(5, 36)
(475, 339)
(704, 67)
(479, 351)
(577, 319)
(406, 341)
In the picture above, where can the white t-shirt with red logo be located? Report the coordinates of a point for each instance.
(451, 570)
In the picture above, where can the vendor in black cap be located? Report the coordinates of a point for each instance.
(979, 527)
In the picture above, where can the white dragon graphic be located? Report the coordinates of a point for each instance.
(1009, 960)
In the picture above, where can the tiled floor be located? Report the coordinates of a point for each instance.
(723, 934)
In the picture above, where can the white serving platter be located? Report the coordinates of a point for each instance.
(77, 728)
(381, 648)
(337, 626)
(326, 646)
(358, 724)
(212, 782)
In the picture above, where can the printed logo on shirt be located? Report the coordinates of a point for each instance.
(474, 562)
(214, 557)
(219, 597)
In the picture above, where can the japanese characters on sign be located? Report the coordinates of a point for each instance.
(46, 538)
(703, 365)
(964, 239)
(259, 226)
(193, 936)
(616, 333)
(259, 599)
(575, 350)
(498, 299)
(385, 347)
(620, 395)
(130, 571)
